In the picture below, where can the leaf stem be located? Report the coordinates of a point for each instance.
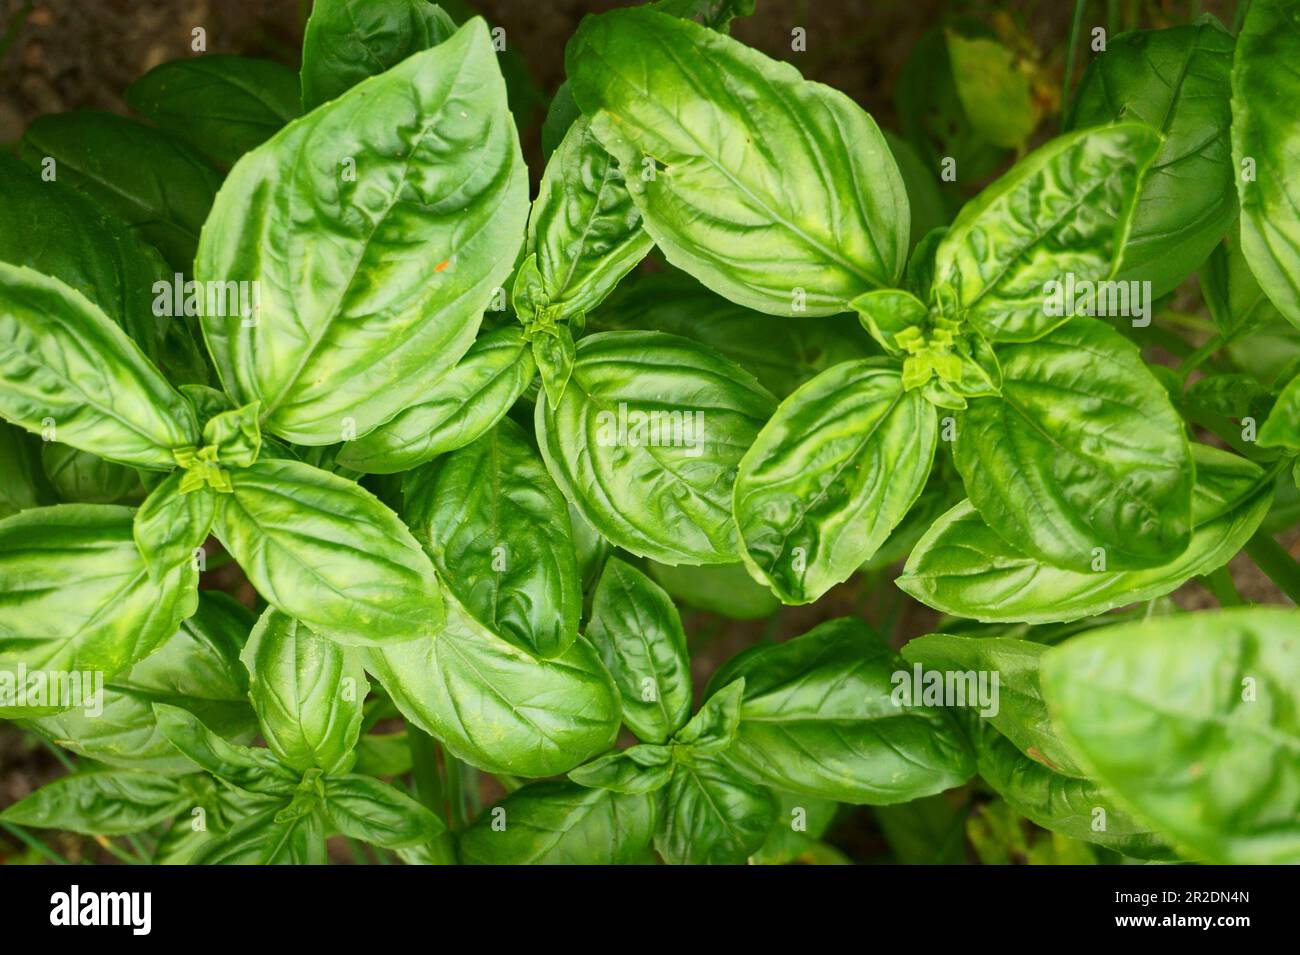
(429, 789)
(1280, 567)
(1220, 584)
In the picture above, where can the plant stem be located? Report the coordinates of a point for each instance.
(429, 789)
(1221, 585)
(33, 843)
(1272, 558)
(1075, 27)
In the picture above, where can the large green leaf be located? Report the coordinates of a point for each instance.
(830, 476)
(498, 531)
(1232, 293)
(222, 105)
(22, 479)
(347, 41)
(79, 477)
(713, 815)
(148, 178)
(67, 372)
(559, 823)
(819, 717)
(779, 193)
(638, 633)
(388, 244)
(961, 566)
(1265, 143)
(328, 553)
(496, 707)
(1063, 209)
(457, 408)
(1176, 81)
(308, 693)
(108, 803)
(1191, 722)
(646, 442)
(1083, 457)
(584, 229)
(77, 595)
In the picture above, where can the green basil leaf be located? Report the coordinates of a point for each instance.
(1175, 81)
(1282, 427)
(347, 41)
(584, 227)
(819, 718)
(201, 662)
(713, 816)
(1231, 292)
(831, 474)
(1076, 808)
(1017, 708)
(67, 372)
(781, 354)
(638, 633)
(885, 313)
(1083, 458)
(559, 823)
(925, 199)
(498, 531)
(495, 706)
(799, 823)
(961, 566)
(79, 477)
(253, 771)
(107, 803)
(798, 220)
(22, 479)
(422, 157)
(647, 440)
(170, 526)
(724, 589)
(326, 552)
(995, 91)
(925, 831)
(455, 410)
(637, 769)
(148, 178)
(78, 595)
(1063, 209)
(221, 105)
(1190, 721)
(555, 355)
(307, 692)
(236, 435)
(713, 729)
(261, 840)
(1265, 133)
(374, 812)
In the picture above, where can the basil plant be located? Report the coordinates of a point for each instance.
(467, 449)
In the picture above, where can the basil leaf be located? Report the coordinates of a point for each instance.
(996, 92)
(67, 371)
(1282, 427)
(558, 823)
(22, 479)
(455, 410)
(170, 526)
(1076, 808)
(347, 41)
(366, 809)
(79, 477)
(498, 531)
(326, 552)
(104, 803)
(1018, 710)
(723, 589)
(1141, 703)
(925, 831)
(798, 221)
(646, 442)
(713, 729)
(261, 840)
(925, 199)
(254, 771)
(713, 816)
(493, 705)
(819, 718)
(799, 823)
(555, 353)
(584, 227)
(961, 566)
(638, 633)
(149, 179)
(1264, 134)
(307, 692)
(782, 355)
(1175, 81)
(221, 105)
(1232, 294)
(637, 769)
(830, 475)
(1083, 458)
(78, 595)
(1064, 208)
(347, 333)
